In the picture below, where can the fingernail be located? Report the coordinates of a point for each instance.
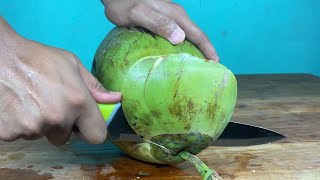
(217, 59)
(115, 93)
(177, 36)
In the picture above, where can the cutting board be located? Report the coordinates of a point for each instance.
(287, 103)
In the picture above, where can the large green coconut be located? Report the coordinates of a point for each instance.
(172, 95)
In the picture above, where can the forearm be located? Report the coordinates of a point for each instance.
(6, 31)
(10, 41)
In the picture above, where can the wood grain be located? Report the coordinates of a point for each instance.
(287, 103)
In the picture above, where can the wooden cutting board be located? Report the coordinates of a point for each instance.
(287, 103)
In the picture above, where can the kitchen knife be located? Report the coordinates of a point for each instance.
(119, 129)
(241, 134)
(235, 134)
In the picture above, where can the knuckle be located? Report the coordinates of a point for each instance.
(165, 25)
(179, 9)
(163, 20)
(113, 17)
(69, 56)
(7, 136)
(97, 85)
(134, 9)
(94, 83)
(31, 128)
(73, 58)
(55, 119)
(78, 99)
(53, 114)
(76, 96)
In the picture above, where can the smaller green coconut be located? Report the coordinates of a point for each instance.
(178, 101)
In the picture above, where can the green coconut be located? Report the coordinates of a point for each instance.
(124, 46)
(172, 95)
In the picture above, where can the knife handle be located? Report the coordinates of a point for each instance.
(108, 111)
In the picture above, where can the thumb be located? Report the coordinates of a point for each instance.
(158, 23)
(98, 92)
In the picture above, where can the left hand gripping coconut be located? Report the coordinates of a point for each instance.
(172, 95)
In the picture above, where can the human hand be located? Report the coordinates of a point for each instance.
(162, 17)
(46, 91)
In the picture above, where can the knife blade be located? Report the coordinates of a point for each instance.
(235, 133)
(118, 127)
(241, 134)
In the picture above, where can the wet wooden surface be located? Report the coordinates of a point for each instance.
(289, 104)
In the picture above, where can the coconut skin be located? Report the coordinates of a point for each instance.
(172, 95)
(124, 46)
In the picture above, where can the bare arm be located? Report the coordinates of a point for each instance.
(46, 91)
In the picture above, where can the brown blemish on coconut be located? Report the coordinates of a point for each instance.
(187, 126)
(212, 109)
(156, 114)
(190, 105)
(176, 110)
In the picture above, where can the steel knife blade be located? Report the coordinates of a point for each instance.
(241, 134)
(235, 133)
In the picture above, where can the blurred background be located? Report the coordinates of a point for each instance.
(251, 37)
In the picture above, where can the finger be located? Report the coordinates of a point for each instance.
(89, 120)
(91, 125)
(58, 136)
(193, 33)
(8, 130)
(147, 17)
(99, 93)
(7, 135)
(30, 125)
(58, 128)
(198, 38)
